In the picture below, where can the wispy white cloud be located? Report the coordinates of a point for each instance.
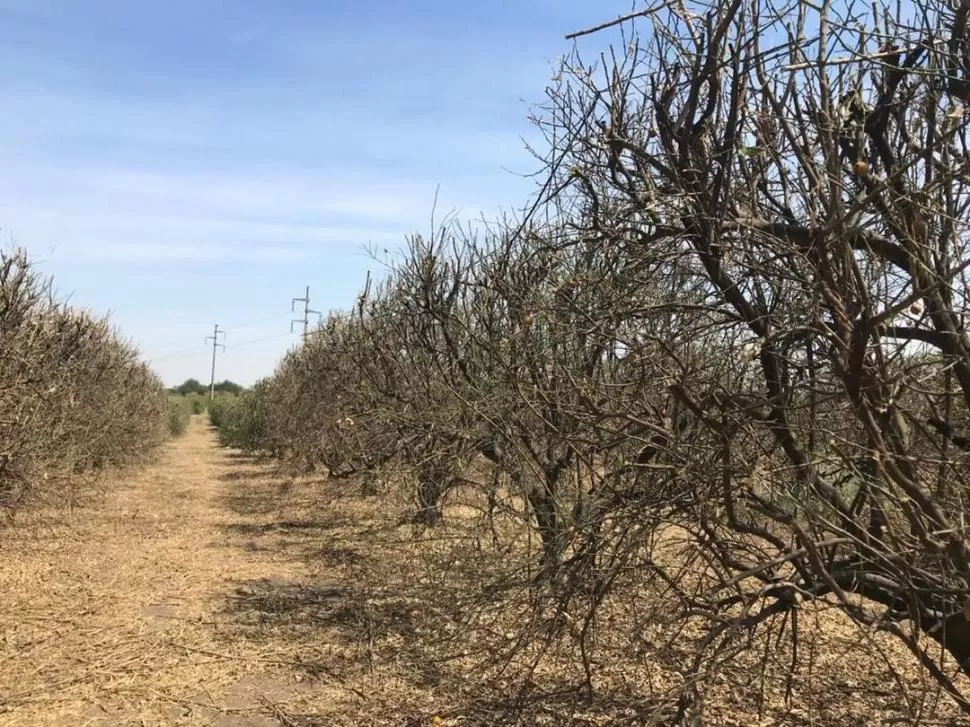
(133, 252)
(395, 124)
(215, 158)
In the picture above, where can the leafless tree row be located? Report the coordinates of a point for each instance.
(734, 319)
(74, 398)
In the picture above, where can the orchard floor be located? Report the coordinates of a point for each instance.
(162, 603)
(207, 590)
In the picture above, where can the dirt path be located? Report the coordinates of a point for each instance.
(206, 590)
(156, 605)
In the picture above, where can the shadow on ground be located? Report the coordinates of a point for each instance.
(365, 625)
(237, 456)
(241, 475)
(281, 526)
(325, 604)
(283, 599)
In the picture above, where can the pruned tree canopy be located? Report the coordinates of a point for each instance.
(736, 312)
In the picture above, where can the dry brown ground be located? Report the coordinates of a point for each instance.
(205, 590)
(123, 613)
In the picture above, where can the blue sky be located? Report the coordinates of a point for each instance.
(194, 162)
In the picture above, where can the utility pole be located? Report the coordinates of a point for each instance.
(215, 344)
(306, 312)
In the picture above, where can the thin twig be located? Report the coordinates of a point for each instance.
(616, 21)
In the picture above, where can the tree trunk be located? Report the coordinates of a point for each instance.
(953, 634)
(543, 503)
(431, 488)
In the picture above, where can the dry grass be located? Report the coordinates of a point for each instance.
(116, 615)
(206, 591)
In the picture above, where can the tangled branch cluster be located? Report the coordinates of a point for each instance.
(737, 313)
(74, 398)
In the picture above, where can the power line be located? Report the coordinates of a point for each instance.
(215, 345)
(190, 352)
(256, 322)
(234, 346)
(172, 343)
(195, 353)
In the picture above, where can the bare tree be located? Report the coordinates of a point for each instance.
(74, 397)
(805, 177)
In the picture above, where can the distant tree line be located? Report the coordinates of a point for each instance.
(194, 386)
